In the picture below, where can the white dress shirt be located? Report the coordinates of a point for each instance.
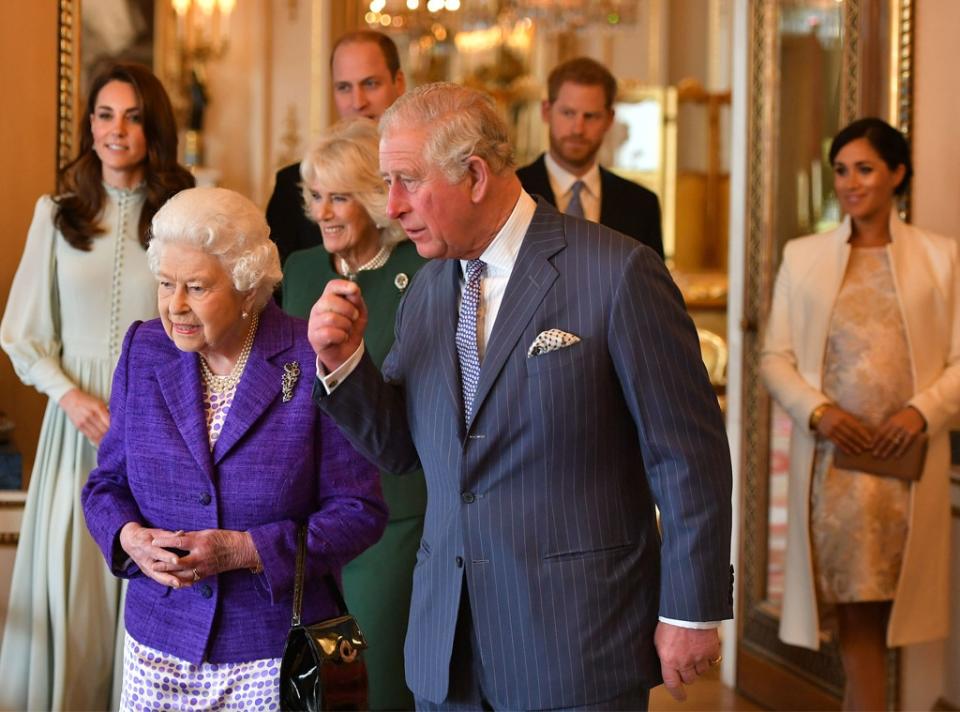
(561, 183)
(500, 257)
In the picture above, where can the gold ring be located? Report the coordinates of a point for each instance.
(717, 661)
(196, 575)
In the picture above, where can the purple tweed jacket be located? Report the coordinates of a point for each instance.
(274, 466)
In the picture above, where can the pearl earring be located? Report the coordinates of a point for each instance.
(244, 315)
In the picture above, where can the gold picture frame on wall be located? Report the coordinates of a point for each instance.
(642, 146)
(68, 79)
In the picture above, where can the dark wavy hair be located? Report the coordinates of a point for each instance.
(80, 193)
(890, 145)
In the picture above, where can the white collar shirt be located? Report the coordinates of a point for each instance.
(500, 257)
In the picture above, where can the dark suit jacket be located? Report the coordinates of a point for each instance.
(544, 503)
(624, 206)
(274, 466)
(290, 228)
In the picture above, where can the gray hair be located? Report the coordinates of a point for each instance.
(226, 225)
(345, 159)
(462, 122)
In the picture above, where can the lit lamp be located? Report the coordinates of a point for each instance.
(203, 32)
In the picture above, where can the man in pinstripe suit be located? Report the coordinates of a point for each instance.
(542, 581)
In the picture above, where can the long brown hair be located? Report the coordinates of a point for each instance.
(81, 195)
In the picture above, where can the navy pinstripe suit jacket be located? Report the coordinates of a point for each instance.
(544, 503)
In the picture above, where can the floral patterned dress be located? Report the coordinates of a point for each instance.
(858, 520)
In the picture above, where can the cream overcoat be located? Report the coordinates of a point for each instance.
(925, 273)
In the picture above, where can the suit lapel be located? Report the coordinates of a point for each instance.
(542, 182)
(532, 277)
(260, 383)
(179, 381)
(608, 198)
(444, 326)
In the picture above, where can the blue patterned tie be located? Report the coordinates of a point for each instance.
(467, 335)
(574, 207)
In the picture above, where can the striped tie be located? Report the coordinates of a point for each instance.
(467, 335)
(574, 207)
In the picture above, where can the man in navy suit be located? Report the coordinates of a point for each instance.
(365, 67)
(546, 377)
(579, 112)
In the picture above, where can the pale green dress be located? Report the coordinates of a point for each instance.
(63, 327)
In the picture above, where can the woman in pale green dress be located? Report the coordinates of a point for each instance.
(82, 280)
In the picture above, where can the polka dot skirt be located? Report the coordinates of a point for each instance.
(156, 681)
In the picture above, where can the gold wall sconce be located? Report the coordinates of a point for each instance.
(202, 35)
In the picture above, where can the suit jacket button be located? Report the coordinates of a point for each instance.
(206, 591)
(468, 497)
(459, 561)
(205, 499)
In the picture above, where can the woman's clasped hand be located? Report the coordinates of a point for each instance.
(178, 559)
(891, 440)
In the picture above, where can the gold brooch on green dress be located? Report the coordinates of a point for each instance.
(291, 372)
(401, 281)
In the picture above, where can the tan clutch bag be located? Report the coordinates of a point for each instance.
(908, 466)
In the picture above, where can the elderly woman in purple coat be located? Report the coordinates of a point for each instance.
(214, 458)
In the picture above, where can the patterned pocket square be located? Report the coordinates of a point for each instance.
(551, 340)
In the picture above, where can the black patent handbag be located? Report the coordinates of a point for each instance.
(322, 666)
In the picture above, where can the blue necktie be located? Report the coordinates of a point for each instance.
(467, 335)
(574, 207)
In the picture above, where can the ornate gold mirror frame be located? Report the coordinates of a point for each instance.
(68, 79)
(876, 79)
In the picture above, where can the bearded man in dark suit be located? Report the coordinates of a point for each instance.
(579, 112)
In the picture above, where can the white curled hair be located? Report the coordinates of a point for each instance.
(460, 123)
(226, 225)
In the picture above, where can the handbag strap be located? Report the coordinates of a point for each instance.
(298, 581)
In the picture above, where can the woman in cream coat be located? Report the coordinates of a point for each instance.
(871, 164)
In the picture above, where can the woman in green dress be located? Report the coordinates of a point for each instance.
(344, 193)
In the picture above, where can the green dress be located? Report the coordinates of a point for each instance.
(377, 584)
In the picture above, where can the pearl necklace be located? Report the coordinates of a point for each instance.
(222, 384)
(378, 261)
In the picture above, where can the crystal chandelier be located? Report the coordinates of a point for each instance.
(548, 15)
